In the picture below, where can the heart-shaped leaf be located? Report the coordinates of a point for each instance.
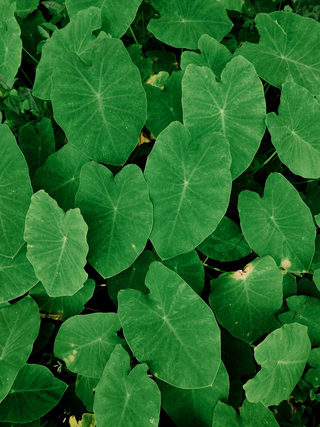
(57, 245)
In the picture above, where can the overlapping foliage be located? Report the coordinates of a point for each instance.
(159, 208)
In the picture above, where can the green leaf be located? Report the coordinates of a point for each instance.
(61, 308)
(164, 106)
(143, 64)
(235, 107)
(102, 107)
(75, 37)
(214, 55)
(116, 15)
(25, 7)
(245, 302)
(34, 393)
(232, 4)
(133, 277)
(283, 356)
(85, 342)
(251, 415)
(313, 375)
(118, 212)
(57, 245)
(294, 132)
(278, 224)
(36, 143)
(84, 390)
(126, 397)
(189, 267)
(10, 41)
(289, 45)
(15, 194)
(289, 285)
(163, 61)
(189, 408)
(315, 265)
(182, 23)
(190, 202)
(19, 325)
(30, 35)
(226, 243)
(16, 275)
(171, 326)
(306, 311)
(59, 176)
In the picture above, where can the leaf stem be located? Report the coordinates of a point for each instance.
(134, 37)
(30, 55)
(266, 90)
(213, 268)
(264, 163)
(26, 76)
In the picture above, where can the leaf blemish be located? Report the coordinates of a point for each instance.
(286, 263)
(242, 274)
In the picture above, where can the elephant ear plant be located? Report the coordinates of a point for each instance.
(159, 209)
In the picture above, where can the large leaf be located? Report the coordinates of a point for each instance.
(164, 106)
(126, 398)
(75, 37)
(16, 275)
(295, 131)
(278, 224)
(101, 107)
(306, 311)
(283, 356)
(245, 302)
(183, 22)
(10, 41)
(35, 392)
(251, 415)
(235, 107)
(116, 15)
(57, 245)
(86, 342)
(226, 243)
(24, 7)
(189, 408)
(289, 45)
(171, 326)
(214, 55)
(61, 308)
(185, 210)
(36, 143)
(19, 325)
(118, 212)
(59, 176)
(15, 193)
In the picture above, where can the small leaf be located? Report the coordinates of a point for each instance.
(86, 342)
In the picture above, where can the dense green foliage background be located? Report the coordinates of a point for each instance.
(159, 208)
